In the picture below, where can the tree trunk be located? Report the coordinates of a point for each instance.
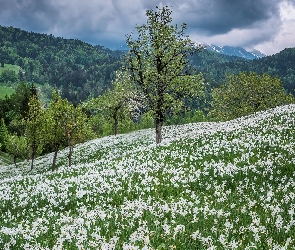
(159, 125)
(14, 160)
(54, 159)
(116, 125)
(70, 155)
(33, 157)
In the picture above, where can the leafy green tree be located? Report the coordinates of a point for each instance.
(8, 75)
(34, 127)
(118, 103)
(75, 126)
(156, 63)
(100, 125)
(54, 116)
(17, 146)
(147, 120)
(65, 124)
(246, 93)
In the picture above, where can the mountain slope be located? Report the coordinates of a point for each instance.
(77, 68)
(236, 178)
(281, 64)
(235, 51)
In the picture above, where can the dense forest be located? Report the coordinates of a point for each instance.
(76, 68)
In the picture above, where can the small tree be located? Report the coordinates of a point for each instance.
(55, 136)
(34, 127)
(246, 93)
(119, 102)
(16, 146)
(75, 127)
(146, 120)
(156, 63)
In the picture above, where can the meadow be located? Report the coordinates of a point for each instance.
(228, 185)
(13, 67)
(4, 90)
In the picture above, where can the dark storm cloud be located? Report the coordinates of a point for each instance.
(106, 22)
(36, 15)
(221, 16)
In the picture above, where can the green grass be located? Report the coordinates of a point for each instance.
(207, 186)
(5, 91)
(15, 68)
(5, 159)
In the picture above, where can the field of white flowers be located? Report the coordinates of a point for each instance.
(227, 185)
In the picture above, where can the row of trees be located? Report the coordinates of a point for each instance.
(61, 124)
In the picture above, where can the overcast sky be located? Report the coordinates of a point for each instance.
(266, 25)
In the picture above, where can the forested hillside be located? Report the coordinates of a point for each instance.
(80, 70)
(77, 68)
(281, 64)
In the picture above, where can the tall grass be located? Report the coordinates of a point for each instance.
(208, 186)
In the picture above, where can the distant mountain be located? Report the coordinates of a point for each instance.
(235, 51)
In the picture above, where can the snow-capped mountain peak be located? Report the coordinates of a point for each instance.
(235, 51)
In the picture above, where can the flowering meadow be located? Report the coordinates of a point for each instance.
(228, 185)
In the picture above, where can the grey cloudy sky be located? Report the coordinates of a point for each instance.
(266, 25)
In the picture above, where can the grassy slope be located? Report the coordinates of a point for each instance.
(15, 68)
(4, 90)
(225, 185)
(5, 159)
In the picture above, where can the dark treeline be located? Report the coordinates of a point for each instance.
(76, 68)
